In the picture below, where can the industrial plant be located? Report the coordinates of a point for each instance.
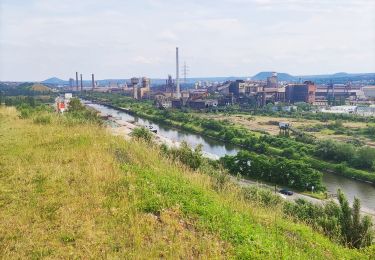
(245, 93)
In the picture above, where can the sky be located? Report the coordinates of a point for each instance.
(125, 38)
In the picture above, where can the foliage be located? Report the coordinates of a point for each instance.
(282, 171)
(362, 158)
(340, 222)
(78, 113)
(188, 156)
(264, 196)
(142, 133)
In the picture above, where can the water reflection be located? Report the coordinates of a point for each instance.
(209, 145)
(363, 191)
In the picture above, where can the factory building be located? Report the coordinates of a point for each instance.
(198, 94)
(241, 87)
(300, 92)
(272, 82)
(142, 91)
(202, 103)
(369, 92)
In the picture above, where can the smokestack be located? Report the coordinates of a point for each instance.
(178, 93)
(81, 83)
(77, 81)
(92, 81)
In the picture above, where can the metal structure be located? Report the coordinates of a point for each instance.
(331, 88)
(178, 91)
(92, 81)
(77, 81)
(134, 81)
(186, 71)
(81, 82)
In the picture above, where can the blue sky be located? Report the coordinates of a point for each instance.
(120, 39)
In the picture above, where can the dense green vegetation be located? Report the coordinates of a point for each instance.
(71, 190)
(77, 112)
(340, 222)
(361, 157)
(25, 93)
(281, 171)
(300, 147)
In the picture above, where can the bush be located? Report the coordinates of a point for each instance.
(25, 113)
(188, 156)
(263, 196)
(340, 222)
(142, 133)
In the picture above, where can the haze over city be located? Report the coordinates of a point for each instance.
(120, 39)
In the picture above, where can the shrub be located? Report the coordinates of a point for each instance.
(263, 196)
(188, 156)
(42, 119)
(338, 221)
(142, 133)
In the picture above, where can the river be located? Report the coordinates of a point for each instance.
(364, 191)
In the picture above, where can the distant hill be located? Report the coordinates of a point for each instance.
(341, 77)
(54, 81)
(281, 76)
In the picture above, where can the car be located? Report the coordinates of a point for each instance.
(286, 192)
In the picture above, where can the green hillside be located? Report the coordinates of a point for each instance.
(71, 190)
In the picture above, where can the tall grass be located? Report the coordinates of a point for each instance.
(77, 192)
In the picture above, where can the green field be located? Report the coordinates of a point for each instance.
(70, 190)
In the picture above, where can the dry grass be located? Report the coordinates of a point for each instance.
(263, 123)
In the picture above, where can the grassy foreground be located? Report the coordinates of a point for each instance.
(74, 191)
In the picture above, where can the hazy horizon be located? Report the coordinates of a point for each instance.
(40, 39)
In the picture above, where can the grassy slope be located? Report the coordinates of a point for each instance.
(76, 191)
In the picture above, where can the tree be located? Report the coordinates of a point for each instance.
(75, 105)
(356, 230)
(364, 157)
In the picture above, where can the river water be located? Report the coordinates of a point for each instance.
(364, 191)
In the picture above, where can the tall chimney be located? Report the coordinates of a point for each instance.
(77, 81)
(81, 83)
(178, 92)
(92, 81)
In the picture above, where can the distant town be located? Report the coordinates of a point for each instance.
(337, 93)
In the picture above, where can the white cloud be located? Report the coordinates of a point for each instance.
(113, 38)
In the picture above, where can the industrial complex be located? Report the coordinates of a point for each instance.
(328, 97)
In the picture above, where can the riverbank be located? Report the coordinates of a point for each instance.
(238, 136)
(124, 128)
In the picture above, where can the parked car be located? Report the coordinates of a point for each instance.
(286, 192)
